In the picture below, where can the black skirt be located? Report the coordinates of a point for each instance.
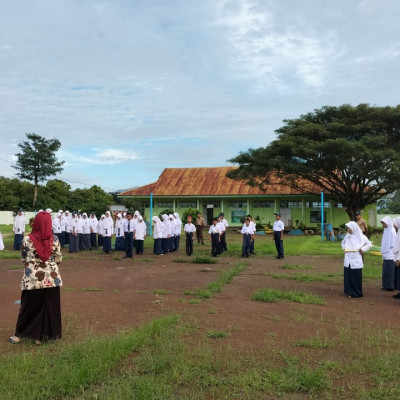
(39, 317)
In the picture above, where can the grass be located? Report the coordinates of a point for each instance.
(200, 259)
(310, 278)
(297, 266)
(273, 295)
(161, 291)
(216, 334)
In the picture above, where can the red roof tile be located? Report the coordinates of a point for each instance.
(206, 182)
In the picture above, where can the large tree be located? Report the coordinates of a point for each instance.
(351, 153)
(37, 160)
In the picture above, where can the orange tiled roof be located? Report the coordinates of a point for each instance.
(205, 182)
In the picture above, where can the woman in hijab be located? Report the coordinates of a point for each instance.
(178, 228)
(167, 234)
(39, 317)
(354, 245)
(387, 246)
(140, 234)
(396, 253)
(158, 234)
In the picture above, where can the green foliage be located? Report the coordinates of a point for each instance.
(351, 153)
(93, 199)
(203, 260)
(190, 211)
(37, 160)
(272, 295)
(390, 204)
(132, 204)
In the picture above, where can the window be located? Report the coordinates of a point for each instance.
(165, 204)
(188, 204)
(315, 217)
(237, 204)
(214, 204)
(317, 204)
(263, 204)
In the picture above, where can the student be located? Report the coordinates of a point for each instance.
(354, 244)
(278, 228)
(396, 253)
(62, 225)
(253, 226)
(139, 234)
(224, 225)
(215, 238)
(119, 233)
(247, 234)
(171, 220)
(93, 223)
(108, 228)
(56, 225)
(19, 229)
(178, 228)
(166, 234)
(100, 231)
(85, 226)
(387, 246)
(189, 229)
(1, 242)
(73, 236)
(129, 227)
(158, 234)
(67, 219)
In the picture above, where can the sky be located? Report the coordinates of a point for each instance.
(131, 87)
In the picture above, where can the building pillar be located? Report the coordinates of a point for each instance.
(303, 210)
(222, 205)
(198, 205)
(248, 207)
(173, 205)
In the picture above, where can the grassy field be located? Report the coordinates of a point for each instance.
(174, 358)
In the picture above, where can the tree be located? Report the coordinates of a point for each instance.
(54, 195)
(390, 204)
(94, 199)
(37, 161)
(350, 153)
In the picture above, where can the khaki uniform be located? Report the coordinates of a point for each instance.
(199, 229)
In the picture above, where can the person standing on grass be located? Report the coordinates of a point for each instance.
(199, 228)
(387, 250)
(108, 228)
(120, 232)
(224, 225)
(139, 234)
(253, 226)
(67, 217)
(129, 227)
(85, 225)
(278, 228)
(354, 245)
(93, 223)
(189, 229)
(248, 235)
(158, 234)
(74, 231)
(178, 229)
(1, 242)
(19, 229)
(39, 317)
(396, 253)
(215, 238)
(361, 223)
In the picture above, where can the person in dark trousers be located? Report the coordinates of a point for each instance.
(214, 236)
(247, 234)
(189, 229)
(199, 228)
(278, 235)
(129, 227)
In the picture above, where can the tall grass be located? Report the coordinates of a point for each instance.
(272, 295)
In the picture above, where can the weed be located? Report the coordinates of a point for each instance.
(161, 291)
(272, 295)
(216, 334)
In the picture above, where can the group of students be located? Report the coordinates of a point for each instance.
(356, 243)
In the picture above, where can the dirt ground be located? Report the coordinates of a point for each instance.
(102, 294)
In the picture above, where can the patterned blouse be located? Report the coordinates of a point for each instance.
(39, 274)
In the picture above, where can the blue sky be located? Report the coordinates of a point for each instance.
(131, 87)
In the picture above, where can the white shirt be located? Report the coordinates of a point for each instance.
(140, 230)
(247, 229)
(56, 224)
(19, 224)
(119, 227)
(129, 226)
(278, 226)
(353, 259)
(85, 225)
(214, 229)
(189, 228)
(108, 228)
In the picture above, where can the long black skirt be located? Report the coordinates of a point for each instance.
(353, 282)
(86, 244)
(93, 240)
(18, 241)
(158, 246)
(73, 243)
(120, 243)
(39, 317)
(388, 274)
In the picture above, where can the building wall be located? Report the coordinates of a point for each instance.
(297, 210)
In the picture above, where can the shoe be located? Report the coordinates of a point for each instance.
(14, 340)
(396, 296)
(387, 290)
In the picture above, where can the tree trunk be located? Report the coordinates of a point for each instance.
(351, 212)
(35, 192)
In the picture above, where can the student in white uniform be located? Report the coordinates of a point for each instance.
(139, 234)
(74, 231)
(67, 217)
(119, 233)
(178, 229)
(100, 231)
(171, 220)
(85, 226)
(214, 236)
(19, 229)
(225, 224)
(354, 245)
(189, 229)
(93, 223)
(1, 242)
(158, 235)
(278, 228)
(247, 235)
(129, 228)
(108, 228)
(387, 250)
(167, 234)
(253, 226)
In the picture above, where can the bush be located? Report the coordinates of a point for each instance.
(166, 211)
(190, 211)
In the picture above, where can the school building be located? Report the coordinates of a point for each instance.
(211, 191)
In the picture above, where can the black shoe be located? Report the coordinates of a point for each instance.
(396, 296)
(387, 290)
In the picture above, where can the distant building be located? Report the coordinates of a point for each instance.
(211, 191)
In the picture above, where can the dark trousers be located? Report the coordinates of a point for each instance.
(388, 274)
(61, 238)
(67, 237)
(189, 243)
(246, 245)
(214, 244)
(93, 240)
(106, 244)
(100, 240)
(252, 247)
(199, 234)
(278, 243)
(73, 243)
(177, 240)
(353, 281)
(129, 244)
(139, 246)
(18, 241)
(223, 242)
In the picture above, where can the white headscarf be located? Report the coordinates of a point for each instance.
(158, 228)
(354, 240)
(396, 223)
(389, 235)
